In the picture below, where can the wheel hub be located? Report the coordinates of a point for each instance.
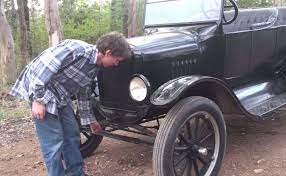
(203, 151)
(195, 149)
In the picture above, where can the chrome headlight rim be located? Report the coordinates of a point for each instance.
(146, 84)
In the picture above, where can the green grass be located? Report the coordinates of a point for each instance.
(11, 107)
(2, 114)
(4, 88)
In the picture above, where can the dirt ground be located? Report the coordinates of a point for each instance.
(252, 149)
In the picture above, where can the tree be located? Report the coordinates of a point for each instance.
(259, 3)
(125, 19)
(132, 20)
(38, 33)
(123, 16)
(129, 18)
(25, 44)
(53, 23)
(278, 2)
(68, 7)
(11, 14)
(140, 17)
(118, 15)
(7, 57)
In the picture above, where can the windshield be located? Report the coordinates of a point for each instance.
(162, 12)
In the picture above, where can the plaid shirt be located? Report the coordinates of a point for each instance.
(58, 73)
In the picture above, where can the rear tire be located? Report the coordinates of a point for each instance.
(90, 145)
(191, 141)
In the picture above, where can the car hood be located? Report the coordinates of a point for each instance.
(163, 42)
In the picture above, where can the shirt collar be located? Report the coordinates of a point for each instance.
(94, 54)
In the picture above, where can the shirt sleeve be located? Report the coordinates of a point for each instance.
(85, 106)
(47, 64)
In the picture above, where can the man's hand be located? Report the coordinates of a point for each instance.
(95, 127)
(38, 110)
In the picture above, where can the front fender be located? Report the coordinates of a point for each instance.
(196, 85)
(171, 90)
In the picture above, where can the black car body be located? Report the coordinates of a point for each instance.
(222, 62)
(231, 63)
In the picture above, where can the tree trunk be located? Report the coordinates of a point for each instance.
(53, 23)
(132, 21)
(113, 15)
(117, 15)
(129, 18)
(11, 15)
(278, 2)
(27, 19)
(7, 57)
(25, 44)
(125, 17)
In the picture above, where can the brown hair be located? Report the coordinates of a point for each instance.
(116, 43)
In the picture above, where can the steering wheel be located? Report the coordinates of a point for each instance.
(235, 7)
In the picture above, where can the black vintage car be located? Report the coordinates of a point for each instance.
(199, 63)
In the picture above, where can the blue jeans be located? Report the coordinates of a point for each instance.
(59, 139)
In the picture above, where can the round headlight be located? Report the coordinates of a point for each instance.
(138, 88)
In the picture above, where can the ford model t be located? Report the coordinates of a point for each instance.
(199, 62)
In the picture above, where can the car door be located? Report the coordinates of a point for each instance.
(250, 43)
(264, 38)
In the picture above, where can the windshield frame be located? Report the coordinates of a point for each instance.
(184, 23)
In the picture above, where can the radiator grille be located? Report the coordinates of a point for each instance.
(181, 67)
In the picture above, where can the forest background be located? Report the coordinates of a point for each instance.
(27, 27)
(24, 25)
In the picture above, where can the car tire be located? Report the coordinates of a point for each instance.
(90, 145)
(179, 147)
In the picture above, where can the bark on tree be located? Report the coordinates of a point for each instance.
(11, 15)
(113, 15)
(278, 2)
(125, 18)
(25, 44)
(132, 27)
(53, 23)
(7, 57)
(27, 19)
(129, 18)
(117, 15)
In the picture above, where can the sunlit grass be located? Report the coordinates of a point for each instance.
(11, 107)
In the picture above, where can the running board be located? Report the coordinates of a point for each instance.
(268, 105)
(262, 97)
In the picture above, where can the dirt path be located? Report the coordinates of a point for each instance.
(253, 149)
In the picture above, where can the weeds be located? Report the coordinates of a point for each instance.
(11, 107)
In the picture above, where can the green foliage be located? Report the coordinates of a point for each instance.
(85, 21)
(117, 15)
(257, 3)
(39, 37)
(80, 19)
(2, 114)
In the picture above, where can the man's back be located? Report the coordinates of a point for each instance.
(57, 73)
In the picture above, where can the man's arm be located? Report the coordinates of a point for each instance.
(85, 109)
